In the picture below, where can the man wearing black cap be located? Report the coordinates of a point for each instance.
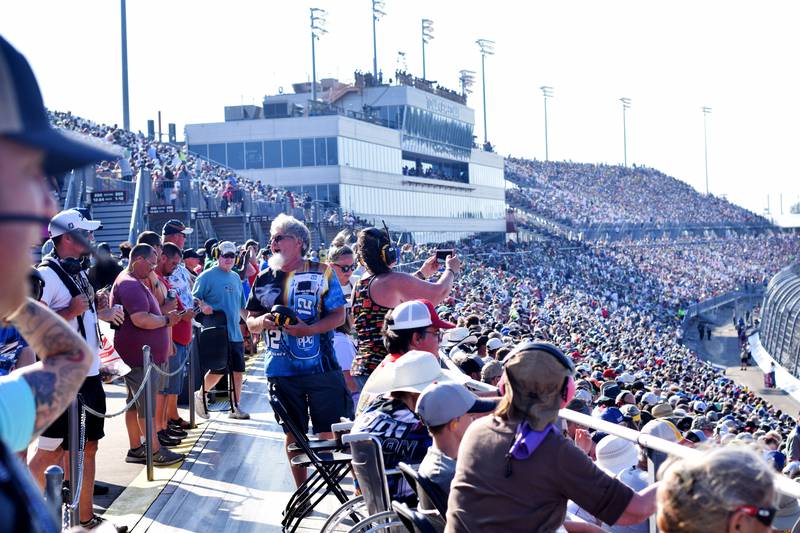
(31, 399)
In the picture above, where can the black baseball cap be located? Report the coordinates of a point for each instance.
(189, 253)
(23, 118)
(175, 226)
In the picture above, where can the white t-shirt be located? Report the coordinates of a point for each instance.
(345, 349)
(56, 296)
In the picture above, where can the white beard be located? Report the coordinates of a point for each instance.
(276, 261)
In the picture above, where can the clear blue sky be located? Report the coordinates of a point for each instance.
(191, 58)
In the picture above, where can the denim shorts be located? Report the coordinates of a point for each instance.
(174, 383)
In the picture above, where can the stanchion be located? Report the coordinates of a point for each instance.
(74, 461)
(148, 413)
(190, 379)
(53, 487)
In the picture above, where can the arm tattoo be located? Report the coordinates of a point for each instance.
(54, 381)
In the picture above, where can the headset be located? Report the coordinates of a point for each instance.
(283, 316)
(215, 252)
(388, 251)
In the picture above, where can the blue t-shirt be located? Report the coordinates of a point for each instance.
(312, 291)
(223, 292)
(17, 411)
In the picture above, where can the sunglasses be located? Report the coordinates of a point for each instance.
(346, 268)
(765, 515)
(229, 256)
(279, 238)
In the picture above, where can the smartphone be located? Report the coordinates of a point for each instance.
(441, 255)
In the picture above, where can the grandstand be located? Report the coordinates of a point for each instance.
(590, 201)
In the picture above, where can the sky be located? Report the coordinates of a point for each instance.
(190, 58)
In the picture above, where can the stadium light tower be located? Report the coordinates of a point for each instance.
(547, 92)
(126, 115)
(317, 30)
(378, 7)
(487, 49)
(427, 35)
(706, 112)
(626, 104)
(467, 80)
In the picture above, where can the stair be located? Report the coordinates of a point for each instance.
(116, 220)
(230, 228)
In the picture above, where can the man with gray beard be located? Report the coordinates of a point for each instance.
(300, 361)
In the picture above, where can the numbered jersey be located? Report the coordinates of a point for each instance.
(312, 291)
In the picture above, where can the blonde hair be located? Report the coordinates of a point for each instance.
(699, 494)
(339, 246)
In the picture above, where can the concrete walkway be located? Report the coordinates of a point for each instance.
(723, 351)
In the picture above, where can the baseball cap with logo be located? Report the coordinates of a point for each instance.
(226, 247)
(175, 226)
(415, 314)
(442, 402)
(23, 118)
(70, 220)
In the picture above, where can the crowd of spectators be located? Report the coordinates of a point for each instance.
(580, 195)
(175, 171)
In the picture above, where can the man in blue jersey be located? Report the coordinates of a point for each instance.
(221, 289)
(300, 361)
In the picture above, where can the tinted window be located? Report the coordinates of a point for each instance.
(308, 152)
(254, 157)
(333, 153)
(236, 155)
(319, 146)
(272, 154)
(199, 149)
(291, 153)
(216, 152)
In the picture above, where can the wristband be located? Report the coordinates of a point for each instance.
(166, 321)
(419, 274)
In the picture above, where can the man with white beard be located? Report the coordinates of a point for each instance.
(300, 362)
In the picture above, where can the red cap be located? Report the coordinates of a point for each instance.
(435, 320)
(609, 373)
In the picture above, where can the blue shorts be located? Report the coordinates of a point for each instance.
(175, 383)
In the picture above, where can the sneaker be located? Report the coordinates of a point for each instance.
(176, 433)
(166, 440)
(179, 423)
(238, 414)
(165, 457)
(199, 405)
(136, 456)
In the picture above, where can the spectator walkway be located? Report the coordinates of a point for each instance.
(236, 479)
(723, 350)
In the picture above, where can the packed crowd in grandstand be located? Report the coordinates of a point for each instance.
(581, 194)
(457, 363)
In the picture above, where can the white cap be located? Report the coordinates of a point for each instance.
(615, 454)
(410, 315)
(69, 220)
(494, 343)
(226, 247)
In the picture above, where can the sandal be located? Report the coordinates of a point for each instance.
(96, 521)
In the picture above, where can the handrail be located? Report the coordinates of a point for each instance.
(783, 484)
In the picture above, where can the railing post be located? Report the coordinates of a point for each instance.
(53, 491)
(74, 461)
(190, 385)
(148, 413)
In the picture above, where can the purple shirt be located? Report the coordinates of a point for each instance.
(128, 340)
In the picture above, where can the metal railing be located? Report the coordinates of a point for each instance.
(67, 511)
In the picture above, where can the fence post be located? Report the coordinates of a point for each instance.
(74, 462)
(148, 413)
(190, 379)
(53, 487)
